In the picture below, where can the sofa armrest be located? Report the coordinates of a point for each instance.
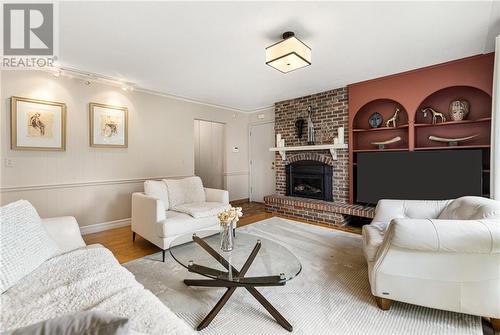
(65, 232)
(215, 195)
(146, 211)
(453, 236)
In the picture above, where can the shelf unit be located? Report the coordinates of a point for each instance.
(467, 79)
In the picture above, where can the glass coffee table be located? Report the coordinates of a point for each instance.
(254, 262)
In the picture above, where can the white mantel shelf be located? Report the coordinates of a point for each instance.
(331, 147)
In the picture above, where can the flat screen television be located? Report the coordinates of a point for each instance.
(430, 175)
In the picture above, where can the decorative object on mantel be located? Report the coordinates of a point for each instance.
(280, 142)
(310, 127)
(451, 141)
(331, 147)
(340, 135)
(393, 120)
(435, 114)
(458, 110)
(228, 220)
(381, 145)
(299, 127)
(375, 120)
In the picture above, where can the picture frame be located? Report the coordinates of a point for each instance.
(37, 124)
(108, 126)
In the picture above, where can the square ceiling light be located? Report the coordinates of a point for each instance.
(289, 54)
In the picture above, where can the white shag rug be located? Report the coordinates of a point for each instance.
(330, 296)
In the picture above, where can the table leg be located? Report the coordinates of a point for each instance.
(218, 283)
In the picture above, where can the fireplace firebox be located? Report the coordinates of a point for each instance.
(309, 179)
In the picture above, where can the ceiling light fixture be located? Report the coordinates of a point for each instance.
(289, 54)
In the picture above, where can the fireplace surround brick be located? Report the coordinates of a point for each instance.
(330, 112)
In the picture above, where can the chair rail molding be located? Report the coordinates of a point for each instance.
(53, 186)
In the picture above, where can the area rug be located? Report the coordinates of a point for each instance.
(330, 296)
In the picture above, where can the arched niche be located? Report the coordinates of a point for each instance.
(479, 103)
(386, 107)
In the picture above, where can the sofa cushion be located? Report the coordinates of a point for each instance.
(185, 191)
(202, 209)
(177, 223)
(24, 242)
(157, 189)
(85, 279)
(471, 208)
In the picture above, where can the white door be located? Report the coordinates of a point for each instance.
(209, 153)
(262, 173)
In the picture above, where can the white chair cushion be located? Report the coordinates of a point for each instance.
(185, 191)
(471, 208)
(157, 189)
(202, 209)
(24, 243)
(177, 223)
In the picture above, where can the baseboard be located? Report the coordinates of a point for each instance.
(239, 201)
(97, 227)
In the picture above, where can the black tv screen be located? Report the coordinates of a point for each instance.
(430, 175)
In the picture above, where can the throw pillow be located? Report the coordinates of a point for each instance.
(157, 189)
(85, 323)
(24, 242)
(185, 191)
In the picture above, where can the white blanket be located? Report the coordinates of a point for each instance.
(85, 279)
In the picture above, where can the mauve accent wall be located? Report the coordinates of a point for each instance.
(330, 112)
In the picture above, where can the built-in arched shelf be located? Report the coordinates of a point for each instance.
(477, 123)
(364, 136)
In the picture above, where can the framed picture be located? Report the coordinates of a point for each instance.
(37, 124)
(108, 126)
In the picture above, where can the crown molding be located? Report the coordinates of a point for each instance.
(74, 72)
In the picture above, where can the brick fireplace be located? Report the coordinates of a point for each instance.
(330, 112)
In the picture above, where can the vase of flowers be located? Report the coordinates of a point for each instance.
(228, 220)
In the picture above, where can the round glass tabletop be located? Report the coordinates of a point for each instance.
(265, 261)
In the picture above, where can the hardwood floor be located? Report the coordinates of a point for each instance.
(119, 240)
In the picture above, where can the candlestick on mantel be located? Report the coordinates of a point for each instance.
(340, 135)
(278, 140)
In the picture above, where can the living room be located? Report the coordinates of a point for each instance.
(250, 167)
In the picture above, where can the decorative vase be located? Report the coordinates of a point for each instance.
(458, 110)
(226, 235)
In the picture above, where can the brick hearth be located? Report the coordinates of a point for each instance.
(330, 112)
(316, 210)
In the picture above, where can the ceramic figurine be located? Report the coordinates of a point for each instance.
(393, 120)
(435, 114)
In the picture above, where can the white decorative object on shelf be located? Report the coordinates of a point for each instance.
(340, 134)
(331, 147)
(336, 140)
(278, 140)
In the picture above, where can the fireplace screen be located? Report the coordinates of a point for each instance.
(309, 179)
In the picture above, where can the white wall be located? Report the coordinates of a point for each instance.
(95, 184)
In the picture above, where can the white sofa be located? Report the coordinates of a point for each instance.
(76, 278)
(438, 254)
(174, 207)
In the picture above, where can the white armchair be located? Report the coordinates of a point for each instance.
(171, 208)
(438, 254)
